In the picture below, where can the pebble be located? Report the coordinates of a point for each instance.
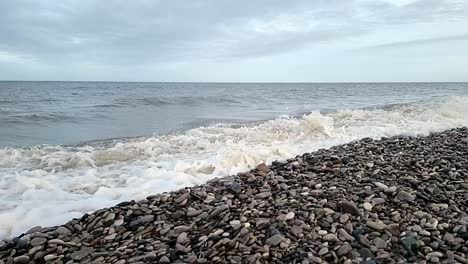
(349, 207)
(37, 241)
(344, 249)
(379, 243)
(405, 196)
(323, 251)
(165, 260)
(380, 185)
(330, 237)
(274, 240)
(82, 253)
(367, 206)
(377, 225)
(63, 231)
(50, 257)
(21, 259)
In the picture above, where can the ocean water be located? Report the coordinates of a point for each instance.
(68, 148)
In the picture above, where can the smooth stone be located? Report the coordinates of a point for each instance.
(118, 222)
(34, 230)
(411, 244)
(378, 225)
(235, 224)
(63, 231)
(56, 241)
(349, 207)
(394, 229)
(405, 196)
(323, 251)
(21, 259)
(142, 220)
(380, 185)
(234, 188)
(367, 206)
(263, 167)
(344, 218)
(289, 216)
(82, 253)
(37, 241)
(274, 240)
(330, 237)
(150, 257)
(322, 232)
(164, 260)
(379, 242)
(345, 235)
(344, 249)
(182, 238)
(262, 195)
(50, 257)
(365, 253)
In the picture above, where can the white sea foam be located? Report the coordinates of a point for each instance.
(52, 184)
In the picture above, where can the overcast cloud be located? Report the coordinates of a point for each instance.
(201, 40)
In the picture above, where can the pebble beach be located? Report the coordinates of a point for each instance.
(394, 200)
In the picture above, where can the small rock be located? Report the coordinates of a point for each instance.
(21, 259)
(367, 206)
(63, 231)
(274, 240)
(82, 253)
(377, 225)
(164, 260)
(379, 243)
(50, 257)
(150, 257)
(380, 185)
(263, 167)
(323, 251)
(349, 207)
(365, 253)
(37, 241)
(322, 232)
(405, 196)
(262, 195)
(234, 188)
(344, 249)
(235, 224)
(289, 216)
(344, 218)
(330, 237)
(182, 238)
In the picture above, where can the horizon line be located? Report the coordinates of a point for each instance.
(242, 82)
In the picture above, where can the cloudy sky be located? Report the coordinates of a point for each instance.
(238, 41)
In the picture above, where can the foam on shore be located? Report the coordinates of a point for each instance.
(48, 185)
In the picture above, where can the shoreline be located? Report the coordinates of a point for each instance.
(369, 201)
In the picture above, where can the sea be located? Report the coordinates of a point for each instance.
(69, 148)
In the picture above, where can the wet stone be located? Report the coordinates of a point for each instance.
(234, 188)
(37, 241)
(349, 207)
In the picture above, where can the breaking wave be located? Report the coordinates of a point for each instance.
(48, 185)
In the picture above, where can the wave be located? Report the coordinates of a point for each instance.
(47, 185)
(41, 118)
(161, 101)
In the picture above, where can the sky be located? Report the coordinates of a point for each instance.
(234, 41)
